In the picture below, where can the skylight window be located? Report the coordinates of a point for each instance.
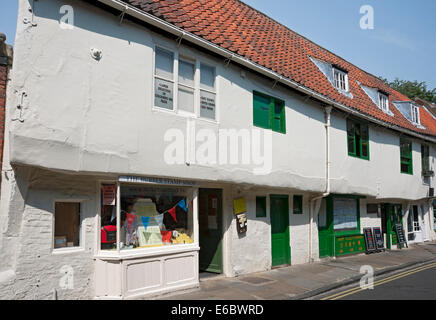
(340, 80)
(383, 102)
(415, 114)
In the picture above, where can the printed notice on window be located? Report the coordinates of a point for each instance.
(163, 94)
(207, 104)
(109, 194)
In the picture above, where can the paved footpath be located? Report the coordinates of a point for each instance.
(306, 280)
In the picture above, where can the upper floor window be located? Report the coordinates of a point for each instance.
(358, 139)
(383, 102)
(406, 156)
(269, 112)
(415, 114)
(184, 85)
(340, 79)
(425, 158)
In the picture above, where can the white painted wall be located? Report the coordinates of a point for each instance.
(29, 267)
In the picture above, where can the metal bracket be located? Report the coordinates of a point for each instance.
(228, 60)
(121, 16)
(179, 39)
(20, 107)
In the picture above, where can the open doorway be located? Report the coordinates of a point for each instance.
(210, 232)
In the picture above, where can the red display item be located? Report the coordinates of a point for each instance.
(166, 236)
(109, 234)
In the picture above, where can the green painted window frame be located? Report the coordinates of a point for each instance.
(357, 139)
(271, 117)
(261, 207)
(297, 204)
(425, 158)
(406, 156)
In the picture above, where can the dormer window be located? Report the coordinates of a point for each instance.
(340, 80)
(383, 102)
(415, 114)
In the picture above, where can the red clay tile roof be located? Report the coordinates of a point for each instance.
(245, 31)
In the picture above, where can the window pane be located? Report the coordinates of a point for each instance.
(322, 215)
(207, 77)
(163, 94)
(297, 204)
(67, 224)
(261, 111)
(155, 216)
(344, 214)
(351, 138)
(186, 73)
(260, 207)
(186, 99)
(108, 217)
(164, 63)
(207, 105)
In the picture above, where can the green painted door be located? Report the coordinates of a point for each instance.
(210, 226)
(280, 246)
(394, 215)
(325, 229)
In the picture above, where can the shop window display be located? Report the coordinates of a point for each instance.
(152, 216)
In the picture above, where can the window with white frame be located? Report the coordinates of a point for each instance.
(383, 102)
(340, 79)
(415, 114)
(188, 88)
(67, 224)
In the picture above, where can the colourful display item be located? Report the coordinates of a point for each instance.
(166, 236)
(350, 245)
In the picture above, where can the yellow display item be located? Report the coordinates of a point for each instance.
(182, 238)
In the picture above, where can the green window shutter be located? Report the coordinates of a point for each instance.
(364, 139)
(278, 116)
(260, 207)
(261, 111)
(406, 156)
(351, 140)
(298, 204)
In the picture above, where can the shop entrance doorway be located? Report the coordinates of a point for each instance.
(393, 214)
(210, 230)
(280, 246)
(414, 226)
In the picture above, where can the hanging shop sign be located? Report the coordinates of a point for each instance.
(160, 181)
(241, 223)
(369, 240)
(109, 194)
(379, 242)
(400, 235)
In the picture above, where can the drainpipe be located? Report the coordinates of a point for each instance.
(328, 110)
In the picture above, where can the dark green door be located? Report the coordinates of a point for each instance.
(325, 229)
(210, 225)
(394, 215)
(280, 247)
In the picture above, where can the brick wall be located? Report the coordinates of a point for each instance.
(5, 65)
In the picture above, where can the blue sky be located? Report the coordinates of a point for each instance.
(402, 43)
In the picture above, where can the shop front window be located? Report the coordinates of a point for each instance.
(345, 214)
(152, 216)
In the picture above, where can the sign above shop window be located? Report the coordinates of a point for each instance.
(153, 180)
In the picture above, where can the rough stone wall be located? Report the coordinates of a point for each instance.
(29, 267)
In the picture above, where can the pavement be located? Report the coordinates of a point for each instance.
(306, 280)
